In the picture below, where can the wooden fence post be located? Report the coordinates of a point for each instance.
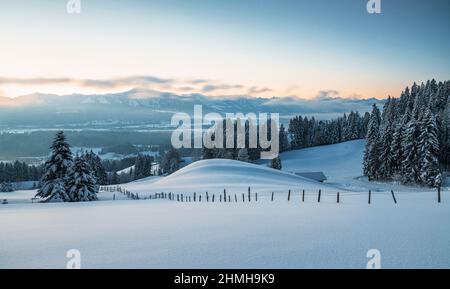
(225, 195)
(195, 197)
(235, 198)
(320, 193)
(439, 194)
(213, 198)
(200, 198)
(338, 198)
(393, 196)
(229, 199)
(370, 197)
(220, 196)
(249, 194)
(243, 197)
(256, 196)
(272, 196)
(303, 196)
(289, 195)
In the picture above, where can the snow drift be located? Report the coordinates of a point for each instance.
(234, 176)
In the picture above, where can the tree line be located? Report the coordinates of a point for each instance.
(410, 140)
(19, 172)
(302, 132)
(306, 132)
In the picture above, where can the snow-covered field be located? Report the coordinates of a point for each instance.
(280, 234)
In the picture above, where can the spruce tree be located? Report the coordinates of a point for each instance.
(429, 145)
(372, 150)
(386, 154)
(97, 167)
(397, 148)
(53, 183)
(411, 149)
(283, 139)
(81, 183)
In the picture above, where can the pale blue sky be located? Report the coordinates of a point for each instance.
(279, 47)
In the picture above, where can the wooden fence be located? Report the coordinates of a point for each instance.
(225, 197)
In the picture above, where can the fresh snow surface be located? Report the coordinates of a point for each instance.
(342, 165)
(338, 162)
(167, 234)
(280, 234)
(214, 176)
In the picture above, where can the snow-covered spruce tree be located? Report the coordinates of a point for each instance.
(55, 172)
(283, 139)
(372, 149)
(430, 173)
(386, 156)
(411, 152)
(397, 147)
(275, 163)
(99, 170)
(387, 134)
(444, 136)
(171, 161)
(411, 137)
(81, 184)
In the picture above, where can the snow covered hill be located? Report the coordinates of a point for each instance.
(235, 176)
(157, 233)
(339, 162)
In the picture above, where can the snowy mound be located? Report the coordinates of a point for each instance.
(218, 174)
(337, 161)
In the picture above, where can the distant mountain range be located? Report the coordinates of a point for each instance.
(138, 107)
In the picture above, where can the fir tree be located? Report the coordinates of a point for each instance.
(114, 178)
(411, 149)
(97, 167)
(171, 161)
(429, 171)
(81, 183)
(397, 148)
(372, 150)
(283, 139)
(56, 168)
(386, 155)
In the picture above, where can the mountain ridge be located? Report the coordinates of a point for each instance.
(153, 106)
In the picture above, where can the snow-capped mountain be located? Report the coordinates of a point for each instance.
(138, 106)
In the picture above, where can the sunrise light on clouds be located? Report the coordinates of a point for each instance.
(257, 48)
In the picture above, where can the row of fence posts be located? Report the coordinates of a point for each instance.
(128, 194)
(224, 197)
